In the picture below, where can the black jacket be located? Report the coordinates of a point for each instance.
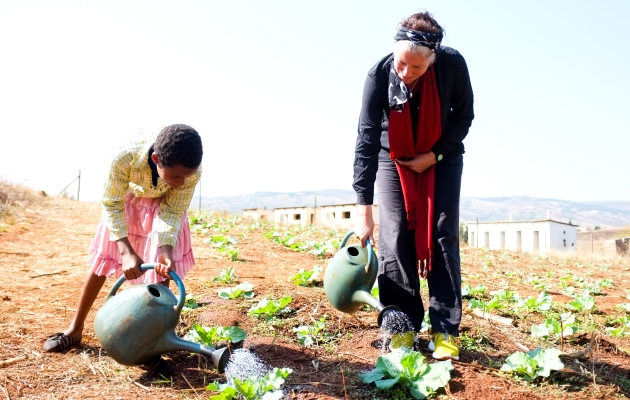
(456, 102)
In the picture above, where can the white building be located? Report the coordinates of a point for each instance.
(529, 236)
(339, 216)
(258, 214)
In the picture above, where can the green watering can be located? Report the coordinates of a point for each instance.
(350, 276)
(138, 324)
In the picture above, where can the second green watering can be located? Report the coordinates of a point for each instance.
(138, 324)
(350, 276)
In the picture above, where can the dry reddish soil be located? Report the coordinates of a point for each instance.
(43, 250)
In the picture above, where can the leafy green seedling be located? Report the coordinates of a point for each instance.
(505, 295)
(211, 336)
(622, 328)
(190, 303)
(305, 278)
(556, 329)
(226, 276)
(270, 308)
(309, 335)
(409, 369)
(478, 291)
(581, 302)
(529, 304)
(533, 364)
(253, 388)
(245, 290)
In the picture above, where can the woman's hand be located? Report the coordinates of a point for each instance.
(165, 261)
(364, 228)
(419, 163)
(131, 261)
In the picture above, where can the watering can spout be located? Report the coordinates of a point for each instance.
(219, 357)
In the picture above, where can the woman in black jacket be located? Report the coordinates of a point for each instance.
(417, 109)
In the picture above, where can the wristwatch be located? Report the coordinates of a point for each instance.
(438, 157)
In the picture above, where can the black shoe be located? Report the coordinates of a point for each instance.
(159, 367)
(60, 342)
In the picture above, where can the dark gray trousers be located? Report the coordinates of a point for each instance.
(398, 267)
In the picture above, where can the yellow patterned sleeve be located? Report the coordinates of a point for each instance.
(114, 193)
(174, 204)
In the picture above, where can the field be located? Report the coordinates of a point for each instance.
(43, 247)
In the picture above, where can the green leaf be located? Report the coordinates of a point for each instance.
(372, 376)
(547, 360)
(437, 375)
(540, 330)
(227, 394)
(522, 364)
(245, 389)
(386, 384)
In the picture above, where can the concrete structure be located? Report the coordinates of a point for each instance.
(339, 216)
(295, 215)
(540, 236)
(258, 214)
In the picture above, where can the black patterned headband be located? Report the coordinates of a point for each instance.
(430, 40)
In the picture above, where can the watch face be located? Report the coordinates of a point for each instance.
(439, 157)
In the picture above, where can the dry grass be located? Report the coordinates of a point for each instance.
(14, 196)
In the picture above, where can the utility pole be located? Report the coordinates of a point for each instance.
(199, 194)
(79, 186)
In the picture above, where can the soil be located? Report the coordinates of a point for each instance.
(43, 252)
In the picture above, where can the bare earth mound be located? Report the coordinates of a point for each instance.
(44, 245)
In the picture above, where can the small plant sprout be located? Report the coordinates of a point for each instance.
(227, 276)
(533, 364)
(409, 369)
(306, 278)
(581, 302)
(224, 244)
(270, 308)
(245, 290)
(478, 291)
(211, 336)
(190, 303)
(621, 327)
(505, 295)
(315, 334)
(556, 329)
(267, 387)
(530, 304)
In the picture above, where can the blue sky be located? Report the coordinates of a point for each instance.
(274, 88)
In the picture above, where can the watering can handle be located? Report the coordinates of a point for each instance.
(171, 274)
(372, 270)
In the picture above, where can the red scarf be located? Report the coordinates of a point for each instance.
(418, 189)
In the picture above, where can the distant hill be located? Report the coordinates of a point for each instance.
(585, 214)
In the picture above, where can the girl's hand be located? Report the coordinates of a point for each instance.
(165, 261)
(131, 266)
(131, 261)
(419, 163)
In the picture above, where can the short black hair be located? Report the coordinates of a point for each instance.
(179, 144)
